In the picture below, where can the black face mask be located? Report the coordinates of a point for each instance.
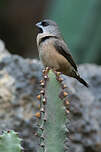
(40, 30)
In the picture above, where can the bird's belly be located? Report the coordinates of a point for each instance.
(51, 58)
(47, 55)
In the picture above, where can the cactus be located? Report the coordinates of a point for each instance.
(52, 113)
(10, 142)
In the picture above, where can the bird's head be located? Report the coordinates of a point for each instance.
(48, 27)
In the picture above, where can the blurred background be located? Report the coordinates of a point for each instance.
(79, 22)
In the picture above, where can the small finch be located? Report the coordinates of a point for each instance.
(54, 52)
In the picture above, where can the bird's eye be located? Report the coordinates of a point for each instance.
(44, 23)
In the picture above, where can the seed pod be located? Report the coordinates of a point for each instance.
(45, 77)
(42, 145)
(42, 84)
(58, 73)
(65, 94)
(60, 79)
(42, 92)
(42, 136)
(37, 115)
(39, 97)
(64, 86)
(44, 100)
(67, 111)
(66, 102)
(42, 110)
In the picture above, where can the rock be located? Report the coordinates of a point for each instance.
(85, 110)
(19, 85)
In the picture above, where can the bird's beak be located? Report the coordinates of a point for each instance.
(39, 27)
(38, 24)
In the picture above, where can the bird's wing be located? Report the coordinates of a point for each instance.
(62, 48)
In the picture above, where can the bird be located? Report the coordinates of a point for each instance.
(54, 52)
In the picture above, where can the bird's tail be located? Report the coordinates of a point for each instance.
(81, 80)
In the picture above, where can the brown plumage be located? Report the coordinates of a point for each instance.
(54, 52)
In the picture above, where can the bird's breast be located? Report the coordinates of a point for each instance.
(52, 58)
(47, 53)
